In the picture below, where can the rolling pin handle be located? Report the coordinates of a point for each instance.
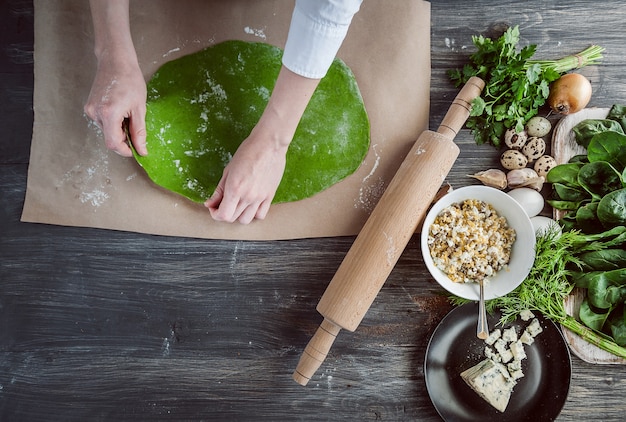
(459, 111)
(315, 352)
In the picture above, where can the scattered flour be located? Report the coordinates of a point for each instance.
(173, 50)
(166, 347)
(451, 44)
(392, 249)
(91, 177)
(256, 32)
(370, 190)
(96, 197)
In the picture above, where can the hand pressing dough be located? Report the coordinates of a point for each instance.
(201, 107)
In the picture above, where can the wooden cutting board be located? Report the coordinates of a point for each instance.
(564, 147)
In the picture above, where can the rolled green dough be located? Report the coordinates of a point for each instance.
(202, 106)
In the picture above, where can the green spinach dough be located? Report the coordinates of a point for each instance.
(201, 106)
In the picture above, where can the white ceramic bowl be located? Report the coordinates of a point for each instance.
(522, 253)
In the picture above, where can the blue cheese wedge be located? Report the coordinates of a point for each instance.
(491, 381)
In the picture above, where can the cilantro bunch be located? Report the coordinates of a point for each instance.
(515, 86)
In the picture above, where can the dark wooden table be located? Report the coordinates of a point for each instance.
(104, 325)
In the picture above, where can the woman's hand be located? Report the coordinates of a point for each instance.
(119, 89)
(119, 92)
(250, 180)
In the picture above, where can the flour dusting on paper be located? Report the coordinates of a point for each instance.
(91, 179)
(256, 32)
(173, 50)
(370, 190)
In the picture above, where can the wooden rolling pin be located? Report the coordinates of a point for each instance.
(387, 231)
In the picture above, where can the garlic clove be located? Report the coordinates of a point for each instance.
(494, 178)
(525, 177)
(535, 183)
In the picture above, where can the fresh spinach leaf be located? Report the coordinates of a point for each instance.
(588, 128)
(604, 260)
(606, 239)
(606, 288)
(564, 205)
(568, 193)
(618, 113)
(608, 146)
(579, 158)
(612, 209)
(599, 178)
(587, 218)
(617, 325)
(592, 317)
(566, 174)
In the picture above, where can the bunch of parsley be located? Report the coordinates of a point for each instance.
(515, 86)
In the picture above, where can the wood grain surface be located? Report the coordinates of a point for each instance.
(102, 325)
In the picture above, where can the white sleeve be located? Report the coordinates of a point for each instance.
(318, 27)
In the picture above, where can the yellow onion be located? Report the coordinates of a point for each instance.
(569, 94)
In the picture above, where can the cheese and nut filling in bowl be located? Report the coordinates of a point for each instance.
(469, 241)
(478, 233)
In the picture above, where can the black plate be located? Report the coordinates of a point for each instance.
(454, 347)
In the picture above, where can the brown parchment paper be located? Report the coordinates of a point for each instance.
(74, 180)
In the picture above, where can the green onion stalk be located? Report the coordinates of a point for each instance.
(590, 56)
(547, 286)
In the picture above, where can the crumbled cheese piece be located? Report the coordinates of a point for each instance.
(513, 366)
(503, 350)
(534, 328)
(515, 375)
(491, 381)
(517, 350)
(493, 336)
(469, 241)
(526, 315)
(489, 353)
(527, 338)
(509, 335)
